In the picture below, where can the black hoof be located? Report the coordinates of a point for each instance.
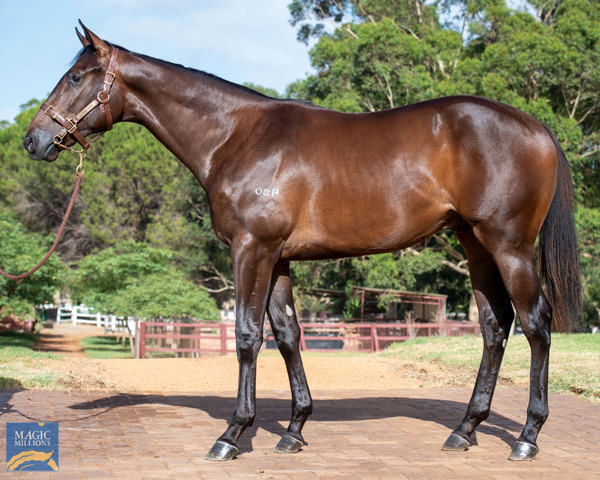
(289, 444)
(523, 451)
(456, 443)
(222, 452)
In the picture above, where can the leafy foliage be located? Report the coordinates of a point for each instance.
(137, 206)
(19, 252)
(137, 280)
(542, 57)
(165, 296)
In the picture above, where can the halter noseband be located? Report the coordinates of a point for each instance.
(102, 99)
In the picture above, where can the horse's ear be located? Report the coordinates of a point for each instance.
(90, 38)
(84, 41)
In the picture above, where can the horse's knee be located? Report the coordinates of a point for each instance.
(248, 344)
(287, 336)
(495, 330)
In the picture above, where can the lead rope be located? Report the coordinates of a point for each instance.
(79, 173)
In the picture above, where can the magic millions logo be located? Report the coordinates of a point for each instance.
(31, 447)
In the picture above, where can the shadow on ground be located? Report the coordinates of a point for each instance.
(272, 413)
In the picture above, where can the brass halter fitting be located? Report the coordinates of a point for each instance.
(70, 124)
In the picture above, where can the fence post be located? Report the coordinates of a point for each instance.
(74, 315)
(98, 319)
(136, 337)
(223, 339)
(374, 338)
(302, 339)
(142, 334)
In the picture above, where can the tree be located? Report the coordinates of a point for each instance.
(134, 279)
(588, 220)
(39, 192)
(133, 190)
(19, 252)
(168, 296)
(542, 58)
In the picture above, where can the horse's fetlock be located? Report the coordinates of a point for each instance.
(305, 410)
(539, 415)
(244, 420)
(479, 414)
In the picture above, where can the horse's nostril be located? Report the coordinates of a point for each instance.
(29, 144)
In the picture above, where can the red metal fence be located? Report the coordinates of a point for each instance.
(199, 338)
(191, 338)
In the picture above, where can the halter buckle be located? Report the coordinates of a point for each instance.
(59, 137)
(70, 125)
(73, 126)
(109, 78)
(47, 112)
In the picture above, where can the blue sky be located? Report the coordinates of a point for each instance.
(239, 40)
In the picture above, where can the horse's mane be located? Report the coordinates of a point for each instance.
(203, 74)
(210, 76)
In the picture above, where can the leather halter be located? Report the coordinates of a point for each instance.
(102, 99)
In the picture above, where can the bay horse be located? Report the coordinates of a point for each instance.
(287, 181)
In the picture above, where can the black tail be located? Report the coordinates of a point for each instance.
(559, 254)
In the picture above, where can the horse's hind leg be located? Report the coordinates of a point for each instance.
(495, 317)
(282, 316)
(523, 285)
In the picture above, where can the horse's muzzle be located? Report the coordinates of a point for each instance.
(40, 148)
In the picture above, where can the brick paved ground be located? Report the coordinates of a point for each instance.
(352, 435)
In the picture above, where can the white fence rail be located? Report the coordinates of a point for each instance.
(79, 314)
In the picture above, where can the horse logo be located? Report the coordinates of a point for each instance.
(31, 447)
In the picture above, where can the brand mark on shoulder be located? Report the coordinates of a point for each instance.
(266, 192)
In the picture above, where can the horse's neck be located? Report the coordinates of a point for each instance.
(189, 112)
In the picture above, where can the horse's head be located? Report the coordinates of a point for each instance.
(85, 101)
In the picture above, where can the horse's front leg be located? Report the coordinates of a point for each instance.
(253, 265)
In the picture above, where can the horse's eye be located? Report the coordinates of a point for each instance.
(74, 79)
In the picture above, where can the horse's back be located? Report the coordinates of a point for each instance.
(383, 181)
(334, 184)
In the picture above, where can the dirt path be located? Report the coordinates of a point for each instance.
(65, 338)
(216, 373)
(149, 419)
(220, 373)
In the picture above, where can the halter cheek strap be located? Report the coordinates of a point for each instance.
(102, 99)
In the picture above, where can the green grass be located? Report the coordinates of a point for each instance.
(21, 366)
(574, 360)
(105, 348)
